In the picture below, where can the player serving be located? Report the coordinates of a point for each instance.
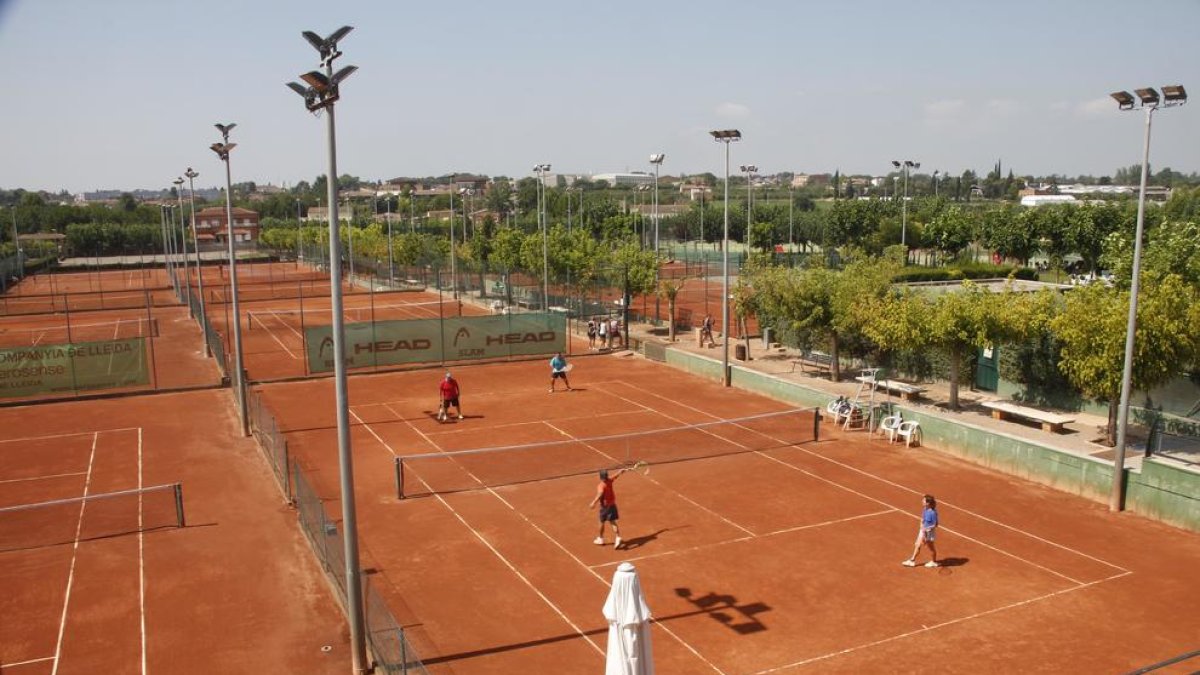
(558, 370)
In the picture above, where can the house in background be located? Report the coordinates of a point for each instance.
(210, 225)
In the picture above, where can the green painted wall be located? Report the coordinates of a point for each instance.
(1160, 490)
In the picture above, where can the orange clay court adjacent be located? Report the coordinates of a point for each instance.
(103, 572)
(770, 553)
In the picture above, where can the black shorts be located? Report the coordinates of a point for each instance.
(554, 374)
(609, 513)
(451, 402)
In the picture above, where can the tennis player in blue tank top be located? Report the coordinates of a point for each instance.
(927, 534)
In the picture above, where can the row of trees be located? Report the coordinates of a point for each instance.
(1075, 339)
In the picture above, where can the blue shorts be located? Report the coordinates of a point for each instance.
(609, 513)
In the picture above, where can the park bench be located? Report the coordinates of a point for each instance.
(1052, 422)
(906, 391)
(820, 362)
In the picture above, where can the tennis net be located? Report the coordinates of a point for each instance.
(467, 470)
(97, 516)
(80, 332)
(295, 318)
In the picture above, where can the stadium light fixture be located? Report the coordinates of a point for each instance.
(191, 176)
(239, 376)
(905, 166)
(321, 94)
(1150, 101)
(725, 136)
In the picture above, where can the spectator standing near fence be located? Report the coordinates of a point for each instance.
(706, 331)
(602, 330)
(927, 534)
(614, 333)
(591, 328)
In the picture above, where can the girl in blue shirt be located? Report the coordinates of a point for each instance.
(927, 534)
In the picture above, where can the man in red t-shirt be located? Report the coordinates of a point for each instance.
(449, 395)
(608, 506)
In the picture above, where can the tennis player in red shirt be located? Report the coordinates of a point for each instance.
(449, 394)
(607, 499)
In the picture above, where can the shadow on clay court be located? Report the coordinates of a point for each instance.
(725, 609)
(638, 542)
(953, 562)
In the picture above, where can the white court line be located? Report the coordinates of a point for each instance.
(66, 435)
(917, 492)
(62, 624)
(275, 338)
(682, 496)
(488, 544)
(141, 555)
(29, 662)
(48, 477)
(943, 624)
(725, 542)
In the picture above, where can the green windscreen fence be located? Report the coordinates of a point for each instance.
(58, 368)
(388, 343)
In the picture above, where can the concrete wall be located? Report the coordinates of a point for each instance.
(1160, 490)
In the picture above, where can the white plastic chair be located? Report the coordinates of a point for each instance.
(889, 425)
(910, 431)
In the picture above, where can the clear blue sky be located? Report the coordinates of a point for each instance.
(124, 93)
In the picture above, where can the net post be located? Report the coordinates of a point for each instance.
(816, 424)
(399, 461)
(177, 489)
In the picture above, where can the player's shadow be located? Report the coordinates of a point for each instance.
(725, 609)
(638, 542)
(953, 562)
(452, 419)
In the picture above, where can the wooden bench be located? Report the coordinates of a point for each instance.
(906, 391)
(820, 362)
(1052, 422)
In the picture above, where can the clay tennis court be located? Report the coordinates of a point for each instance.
(116, 584)
(273, 328)
(771, 557)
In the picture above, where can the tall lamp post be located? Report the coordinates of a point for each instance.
(187, 281)
(904, 165)
(1148, 100)
(299, 233)
(223, 149)
(657, 161)
(749, 170)
(191, 176)
(725, 136)
(320, 94)
(453, 257)
(935, 182)
(541, 170)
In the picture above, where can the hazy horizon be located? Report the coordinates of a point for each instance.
(123, 95)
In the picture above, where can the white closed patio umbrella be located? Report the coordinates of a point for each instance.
(628, 617)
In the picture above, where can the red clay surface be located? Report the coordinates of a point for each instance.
(273, 335)
(782, 560)
(176, 352)
(235, 591)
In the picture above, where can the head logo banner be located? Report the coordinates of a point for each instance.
(460, 338)
(60, 368)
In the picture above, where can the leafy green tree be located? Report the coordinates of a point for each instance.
(950, 232)
(954, 322)
(1092, 330)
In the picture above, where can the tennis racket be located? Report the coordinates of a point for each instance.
(641, 466)
(568, 368)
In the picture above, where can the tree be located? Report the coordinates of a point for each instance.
(950, 232)
(669, 289)
(954, 322)
(1092, 330)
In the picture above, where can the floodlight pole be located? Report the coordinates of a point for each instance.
(191, 176)
(317, 99)
(187, 285)
(162, 223)
(299, 233)
(453, 258)
(238, 363)
(727, 136)
(541, 170)
(1150, 102)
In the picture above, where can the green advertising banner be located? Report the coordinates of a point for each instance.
(460, 338)
(52, 369)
